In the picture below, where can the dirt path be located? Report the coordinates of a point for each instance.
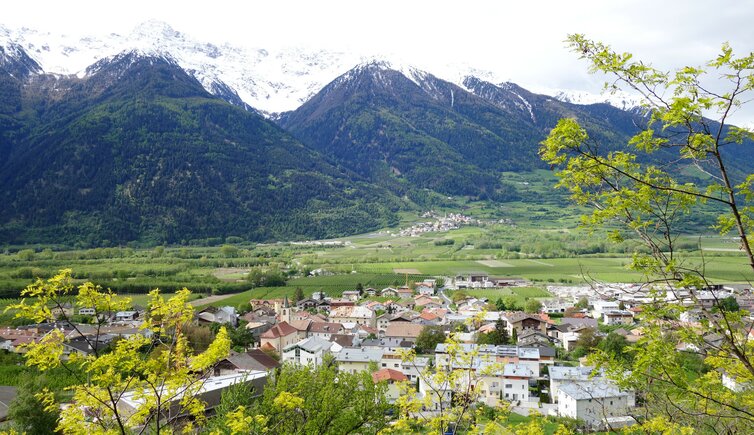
(210, 299)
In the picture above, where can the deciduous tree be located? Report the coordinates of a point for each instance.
(157, 369)
(685, 156)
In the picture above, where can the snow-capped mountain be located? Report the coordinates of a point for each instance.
(619, 99)
(269, 80)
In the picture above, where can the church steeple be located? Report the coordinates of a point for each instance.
(285, 311)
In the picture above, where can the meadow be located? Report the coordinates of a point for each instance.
(537, 239)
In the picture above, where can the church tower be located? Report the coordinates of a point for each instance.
(285, 311)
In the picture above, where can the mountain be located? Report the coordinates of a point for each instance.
(271, 80)
(405, 128)
(137, 150)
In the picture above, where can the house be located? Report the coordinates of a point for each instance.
(86, 345)
(370, 291)
(594, 402)
(391, 378)
(425, 290)
(428, 318)
(351, 295)
(224, 315)
(617, 317)
(353, 360)
(557, 305)
(599, 306)
(337, 303)
(126, 316)
(87, 311)
(405, 293)
(414, 369)
(512, 386)
(401, 331)
(564, 374)
(309, 351)
(278, 337)
(405, 305)
(209, 392)
(253, 360)
(427, 302)
(325, 329)
(519, 321)
(306, 304)
(533, 337)
(389, 292)
(570, 338)
(437, 395)
(352, 314)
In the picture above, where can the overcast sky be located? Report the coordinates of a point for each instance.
(519, 42)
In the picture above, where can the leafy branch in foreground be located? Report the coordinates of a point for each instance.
(683, 157)
(144, 383)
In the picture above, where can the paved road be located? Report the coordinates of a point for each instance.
(448, 302)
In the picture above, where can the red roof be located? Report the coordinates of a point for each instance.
(389, 375)
(427, 316)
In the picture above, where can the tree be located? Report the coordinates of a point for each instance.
(26, 254)
(27, 411)
(583, 303)
(429, 338)
(685, 157)
(497, 336)
(229, 251)
(533, 306)
(321, 400)
(729, 304)
(158, 369)
(500, 305)
(615, 345)
(298, 295)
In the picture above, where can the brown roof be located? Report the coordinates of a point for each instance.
(282, 329)
(326, 327)
(403, 329)
(427, 316)
(345, 340)
(389, 375)
(254, 359)
(517, 316)
(301, 325)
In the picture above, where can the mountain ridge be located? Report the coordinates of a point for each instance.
(269, 80)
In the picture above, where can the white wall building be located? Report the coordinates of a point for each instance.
(309, 351)
(594, 402)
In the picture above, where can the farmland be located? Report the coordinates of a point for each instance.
(540, 242)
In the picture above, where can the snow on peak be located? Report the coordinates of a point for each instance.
(270, 80)
(620, 99)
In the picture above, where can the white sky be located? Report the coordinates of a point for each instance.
(521, 41)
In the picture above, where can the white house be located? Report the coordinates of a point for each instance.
(594, 402)
(512, 385)
(565, 374)
(601, 306)
(557, 305)
(425, 290)
(309, 351)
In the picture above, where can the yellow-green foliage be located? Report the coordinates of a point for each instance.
(158, 368)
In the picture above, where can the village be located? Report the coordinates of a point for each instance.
(529, 360)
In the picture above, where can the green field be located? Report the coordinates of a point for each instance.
(537, 239)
